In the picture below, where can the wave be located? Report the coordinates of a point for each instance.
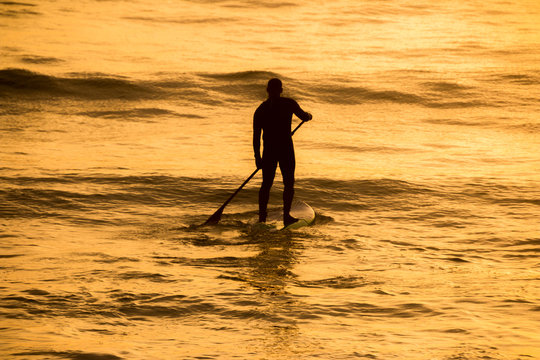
(220, 89)
(519, 79)
(21, 82)
(351, 95)
(532, 128)
(121, 305)
(102, 200)
(137, 113)
(409, 310)
(17, 9)
(16, 3)
(443, 95)
(338, 282)
(98, 200)
(242, 75)
(35, 59)
(74, 355)
(447, 87)
(75, 196)
(360, 149)
(208, 89)
(450, 95)
(458, 122)
(457, 104)
(181, 20)
(250, 4)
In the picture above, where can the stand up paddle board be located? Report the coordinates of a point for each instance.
(300, 210)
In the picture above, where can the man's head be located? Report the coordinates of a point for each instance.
(274, 88)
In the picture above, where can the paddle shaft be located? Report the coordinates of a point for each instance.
(214, 219)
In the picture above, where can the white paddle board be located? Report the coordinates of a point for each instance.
(300, 210)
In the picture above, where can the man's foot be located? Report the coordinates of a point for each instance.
(262, 217)
(288, 220)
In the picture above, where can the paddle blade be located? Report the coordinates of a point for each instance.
(214, 219)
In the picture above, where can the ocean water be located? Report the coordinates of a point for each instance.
(125, 124)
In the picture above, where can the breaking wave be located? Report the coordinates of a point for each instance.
(217, 89)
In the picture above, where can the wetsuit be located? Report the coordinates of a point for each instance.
(273, 117)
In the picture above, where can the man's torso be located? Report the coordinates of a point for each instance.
(274, 117)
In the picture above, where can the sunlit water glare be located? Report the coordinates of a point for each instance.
(124, 125)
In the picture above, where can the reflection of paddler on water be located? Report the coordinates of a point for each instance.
(273, 118)
(278, 312)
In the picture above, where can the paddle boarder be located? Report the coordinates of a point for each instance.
(273, 118)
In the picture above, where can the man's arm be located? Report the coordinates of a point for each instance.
(302, 115)
(257, 141)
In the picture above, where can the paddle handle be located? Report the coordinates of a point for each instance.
(241, 187)
(297, 127)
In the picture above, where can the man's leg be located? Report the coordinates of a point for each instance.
(269, 172)
(287, 165)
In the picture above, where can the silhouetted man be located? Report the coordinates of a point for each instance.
(273, 117)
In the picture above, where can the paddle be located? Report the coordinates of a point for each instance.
(214, 219)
